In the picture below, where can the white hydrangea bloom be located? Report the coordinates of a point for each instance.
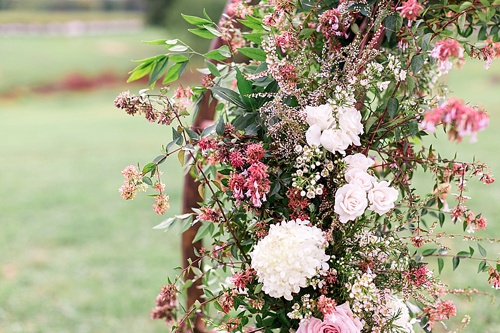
(288, 257)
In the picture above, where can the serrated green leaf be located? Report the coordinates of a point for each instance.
(253, 53)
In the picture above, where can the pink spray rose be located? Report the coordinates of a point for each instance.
(341, 321)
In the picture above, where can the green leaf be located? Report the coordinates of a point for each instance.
(253, 53)
(229, 95)
(147, 180)
(463, 254)
(456, 262)
(255, 37)
(471, 251)
(156, 42)
(482, 250)
(440, 265)
(221, 126)
(177, 137)
(481, 267)
(428, 252)
(392, 23)
(392, 107)
(148, 168)
(192, 134)
(204, 230)
(221, 53)
(174, 72)
(196, 20)
(203, 33)
(213, 30)
(178, 58)
(252, 23)
(212, 68)
(417, 62)
(158, 70)
(140, 71)
(465, 5)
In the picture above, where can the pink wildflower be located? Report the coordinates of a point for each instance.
(439, 311)
(162, 204)
(257, 183)
(444, 50)
(207, 143)
(286, 41)
(166, 303)
(461, 119)
(418, 276)
(128, 191)
(254, 152)
(330, 24)
(236, 159)
(208, 214)
(237, 185)
(226, 301)
(242, 278)
(410, 9)
(487, 179)
(131, 173)
(326, 305)
(494, 278)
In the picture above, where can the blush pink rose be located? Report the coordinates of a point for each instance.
(341, 321)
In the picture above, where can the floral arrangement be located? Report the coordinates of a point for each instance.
(308, 172)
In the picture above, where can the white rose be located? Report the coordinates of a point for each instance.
(350, 202)
(358, 161)
(313, 136)
(360, 177)
(382, 197)
(350, 123)
(335, 140)
(320, 115)
(397, 307)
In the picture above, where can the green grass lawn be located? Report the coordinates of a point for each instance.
(75, 257)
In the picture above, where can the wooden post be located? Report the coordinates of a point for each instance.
(191, 198)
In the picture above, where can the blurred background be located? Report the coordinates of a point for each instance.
(76, 257)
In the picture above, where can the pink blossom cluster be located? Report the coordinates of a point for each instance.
(439, 311)
(410, 9)
(461, 119)
(132, 183)
(166, 304)
(494, 278)
(419, 276)
(242, 278)
(161, 204)
(252, 182)
(444, 50)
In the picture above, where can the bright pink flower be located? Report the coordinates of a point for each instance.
(257, 183)
(341, 321)
(410, 9)
(460, 118)
(444, 50)
(209, 214)
(494, 278)
(418, 276)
